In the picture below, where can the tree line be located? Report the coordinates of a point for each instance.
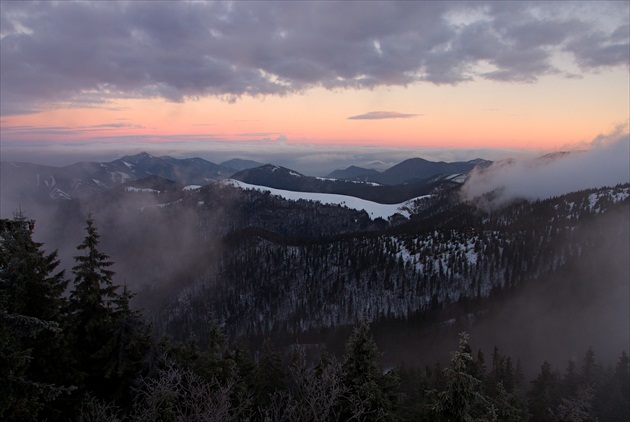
(76, 350)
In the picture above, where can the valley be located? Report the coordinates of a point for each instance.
(539, 280)
(267, 261)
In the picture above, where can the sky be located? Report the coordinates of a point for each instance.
(312, 85)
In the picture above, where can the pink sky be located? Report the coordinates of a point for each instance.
(468, 76)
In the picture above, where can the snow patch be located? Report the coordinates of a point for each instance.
(362, 182)
(99, 183)
(458, 178)
(191, 187)
(374, 209)
(132, 189)
(168, 204)
(120, 177)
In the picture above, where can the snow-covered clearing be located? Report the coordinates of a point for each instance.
(374, 209)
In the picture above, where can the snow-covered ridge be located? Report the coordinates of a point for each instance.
(374, 209)
(457, 178)
(362, 182)
(132, 189)
(596, 202)
(613, 195)
(191, 187)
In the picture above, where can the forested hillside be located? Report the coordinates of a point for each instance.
(266, 282)
(239, 305)
(88, 356)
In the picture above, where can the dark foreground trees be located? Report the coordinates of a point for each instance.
(55, 351)
(109, 340)
(31, 319)
(87, 355)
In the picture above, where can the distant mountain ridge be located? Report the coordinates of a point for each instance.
(183, 170)
(86, 178)
(354, 173)
(408, 179)
(409, 171)
(240, 164)
(277, 177)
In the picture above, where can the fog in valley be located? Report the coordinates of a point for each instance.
(604, 163)
(160, 248)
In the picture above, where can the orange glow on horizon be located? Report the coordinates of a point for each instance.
(547, 115)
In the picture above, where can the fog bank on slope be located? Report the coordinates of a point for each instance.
(606, 163)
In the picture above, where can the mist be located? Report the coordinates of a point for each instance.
(310, 160)
(156, 251)
(583, 305)
(605, 163)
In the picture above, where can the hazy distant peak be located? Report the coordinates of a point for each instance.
(479, 161)
(241, 164)
(352, 173)
(135, 159)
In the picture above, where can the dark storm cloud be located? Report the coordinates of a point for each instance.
(377, 115)
(67, 53)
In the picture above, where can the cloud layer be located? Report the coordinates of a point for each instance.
(377, 115)
(606, 163)
(85, 53)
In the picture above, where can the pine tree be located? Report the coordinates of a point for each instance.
(371, 395)
(591, 371)
(270, 377)
(613, 399)
(94, 294)
(462, 399)
(110, 339)
(214, 362)
(22, 394)
(571, 380)
(544, 394)
(30, 284)
(129, 346)
(34, 358)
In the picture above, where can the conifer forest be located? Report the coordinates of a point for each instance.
(237, 344)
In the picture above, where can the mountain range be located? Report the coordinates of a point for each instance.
(273, 261)
(409, 171)
(23, 181)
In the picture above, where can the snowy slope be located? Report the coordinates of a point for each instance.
(374, 209)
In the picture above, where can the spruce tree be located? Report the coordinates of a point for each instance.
(612, 401)
(270, 377)
(544, 394)
(34, 357)
(463, 398)
(92, 304)
(371, 394)
(110, 340)
(29, 281)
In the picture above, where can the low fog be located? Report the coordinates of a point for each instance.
(310, 160)
(605, 163)
(157, 252)
(584, 304)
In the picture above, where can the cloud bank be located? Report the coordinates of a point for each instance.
(606, 163)
(377, 115)
(87, 53)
